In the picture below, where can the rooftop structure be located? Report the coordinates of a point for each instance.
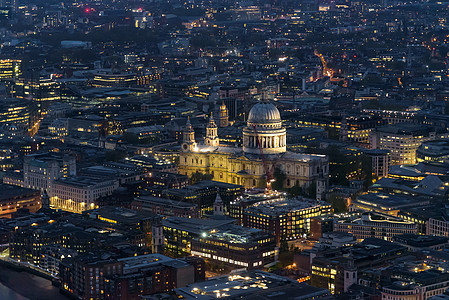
(375, 225)
(251, 285)
(415, 242)
(434, 151)
(386, 203)
(273, 212)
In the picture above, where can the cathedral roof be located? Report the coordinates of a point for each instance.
(237, 152)
(263, 113)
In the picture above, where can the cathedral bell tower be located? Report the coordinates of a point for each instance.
(188, 138)
(212, 133)
(223, 116)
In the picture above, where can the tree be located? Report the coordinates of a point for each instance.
(115, 155)
(338, 203)
(283, 247)
(198, 176)
(279, 179)
(130, 138)
(295, 191)
(311, 191)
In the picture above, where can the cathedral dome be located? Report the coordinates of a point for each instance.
(264, 113)
(264, 132)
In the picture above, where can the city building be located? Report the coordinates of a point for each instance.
(168, 180)
(100, 275)
(10, 68)
(150, 274)
(371, 225)
(41, 170)
(390, 204)
(179, 232)
(321, 225)
(13, 198)
(52, 255)
(419, 171)
(357, 129)
(403, 140)
(203, 194)
(408, 282)
(264, 149)
(438, 227)
(17, 115)
(286, 218)
(223, 116)
(79, 193)
(237, 247)
(338, 269)
(335, 239)
(113, 79)
(417, 242)
(36, 89)
(433, 151)
(380, 161)
(251, 285)
(432, 187)
(166, 207)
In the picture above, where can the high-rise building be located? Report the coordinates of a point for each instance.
(17, 113)
(43, 89)
(10, 69)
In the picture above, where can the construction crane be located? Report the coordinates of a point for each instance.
(268, 172)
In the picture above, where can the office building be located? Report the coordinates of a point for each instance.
(251, 285)
(286, 218)
(41, 170)
(10, 68)
(403, 140)
(13, 198)
(237, 247)
(79, 193)
(370, 225)
(179, 232)
(433, 151)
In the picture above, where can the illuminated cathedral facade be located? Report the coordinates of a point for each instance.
(264, 148)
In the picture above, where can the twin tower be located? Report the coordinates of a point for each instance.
(211, 139)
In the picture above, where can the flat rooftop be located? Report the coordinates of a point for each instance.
(237, 234)
(195, 226)
(120, 214)
(131, 264)
(283, 206)
(82, 181)
(390, 202)
(11, 191)
(250, 285)
(165, 202)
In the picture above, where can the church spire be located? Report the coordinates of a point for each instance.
(188, 137)
(218, 205)
(212, 133)
(45, 199)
